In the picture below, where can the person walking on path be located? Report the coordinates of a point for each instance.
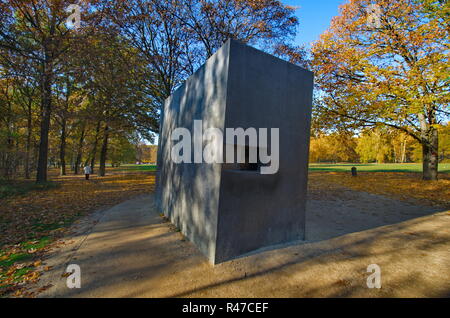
(87, 171)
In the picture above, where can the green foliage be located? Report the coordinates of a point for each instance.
(392, 167)
(122, 151)
(138, 168)
(13, 258)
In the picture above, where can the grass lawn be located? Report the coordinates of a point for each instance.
(133, 167)
(369, 167)
(388, 167)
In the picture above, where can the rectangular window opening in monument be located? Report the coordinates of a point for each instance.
(247, 165)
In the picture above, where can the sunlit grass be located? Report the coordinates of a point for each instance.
(134, 167)
(389, 167)
(369, 167)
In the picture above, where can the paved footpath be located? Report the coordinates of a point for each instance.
(129, 251)
(116, 249)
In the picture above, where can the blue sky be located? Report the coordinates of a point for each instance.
(315, 17)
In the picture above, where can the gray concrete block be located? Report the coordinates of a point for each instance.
(227, 212)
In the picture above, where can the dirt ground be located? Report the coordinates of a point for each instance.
(129, 251)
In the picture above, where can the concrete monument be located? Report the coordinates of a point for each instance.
(228, 210)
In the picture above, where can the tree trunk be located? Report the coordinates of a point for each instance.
(404, 152)
(80, 149)
(430, 146)
(103, 152)
(94, 147)
(62, 147)
(8, 162)
(86, 162)
(46, 110)
(28, 143)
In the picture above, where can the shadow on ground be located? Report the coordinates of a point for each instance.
(131, 252)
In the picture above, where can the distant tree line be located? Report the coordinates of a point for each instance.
(146, 154)
(379, 145)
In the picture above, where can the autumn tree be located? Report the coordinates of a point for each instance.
(18, 95)
(118, 99)
(8, 128)
(36, 30)
(176, 37)
(375, 145)
(77, 94)
(160, 39)
(265, 23)
(334, 147)
(33, 30)
(387, 66)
